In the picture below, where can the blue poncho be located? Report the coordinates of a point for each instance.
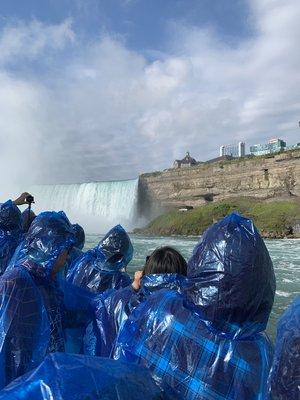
(209, 343)
(10, 232)
(76, 252)
(31, 305)
(284, 382)
(112, 308)
(27, 219)
(100, 268)
(72, 377)
(79, 236)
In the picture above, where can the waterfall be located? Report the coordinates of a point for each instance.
(95, 205)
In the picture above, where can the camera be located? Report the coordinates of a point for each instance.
(29, 199)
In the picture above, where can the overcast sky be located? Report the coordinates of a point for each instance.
(108, 89)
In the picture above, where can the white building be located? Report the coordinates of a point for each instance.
(233, 150)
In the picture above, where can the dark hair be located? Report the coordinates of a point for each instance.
(165, 260)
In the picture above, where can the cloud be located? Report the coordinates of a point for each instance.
(28, 41)
(102, 111)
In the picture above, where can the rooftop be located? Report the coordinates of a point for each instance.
(187, 159)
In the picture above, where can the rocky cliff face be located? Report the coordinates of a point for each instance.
(264, 178)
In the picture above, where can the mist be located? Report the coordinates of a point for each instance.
(75, 109)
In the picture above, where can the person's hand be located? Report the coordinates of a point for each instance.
(136, 284)
(22, 199)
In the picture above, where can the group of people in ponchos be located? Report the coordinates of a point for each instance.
(195, 329)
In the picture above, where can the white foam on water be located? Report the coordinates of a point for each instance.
(286, 280)
(282, 294)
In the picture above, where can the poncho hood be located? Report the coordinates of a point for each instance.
(10, 232)
(49, 234)
(232, 278)
(10, 217)
(114, 251)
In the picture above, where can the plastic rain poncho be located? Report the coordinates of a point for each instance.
(10, 232)
(100, 268)
(210, 343)
(79, 236)
(73, 377)
(31, 308)
(112, 308)
(76, 252)
(284, 382)
(27, 218)
(78, 314)
(74, 333)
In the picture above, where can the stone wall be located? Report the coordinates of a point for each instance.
(265, 178)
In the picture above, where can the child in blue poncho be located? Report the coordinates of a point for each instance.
(165, 268)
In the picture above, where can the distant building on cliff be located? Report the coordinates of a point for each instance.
(233, 150)
(293, 147)
(273, 146)
(186, 162)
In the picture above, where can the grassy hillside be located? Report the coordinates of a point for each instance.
(273, 219)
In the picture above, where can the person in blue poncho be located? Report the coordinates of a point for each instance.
(74, 253)
(10, 229)
(31, 307)
(209, 343)
(284, 381)
(165, 268)
(103, 267)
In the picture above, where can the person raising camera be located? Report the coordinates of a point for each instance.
(11, 230)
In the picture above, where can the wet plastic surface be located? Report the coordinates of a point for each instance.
(10, 232)
(100, 268)
(70, 377)
(27, 218)
(79, 236)
(209, 343)
(285, 375)
(76, 251)
(31, 303)
(112, 308)
(77, 315)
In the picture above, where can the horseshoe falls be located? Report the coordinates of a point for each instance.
(97, 206)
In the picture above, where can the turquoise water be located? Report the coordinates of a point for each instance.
(284, 253)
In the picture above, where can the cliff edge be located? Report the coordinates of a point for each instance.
(269, 177)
